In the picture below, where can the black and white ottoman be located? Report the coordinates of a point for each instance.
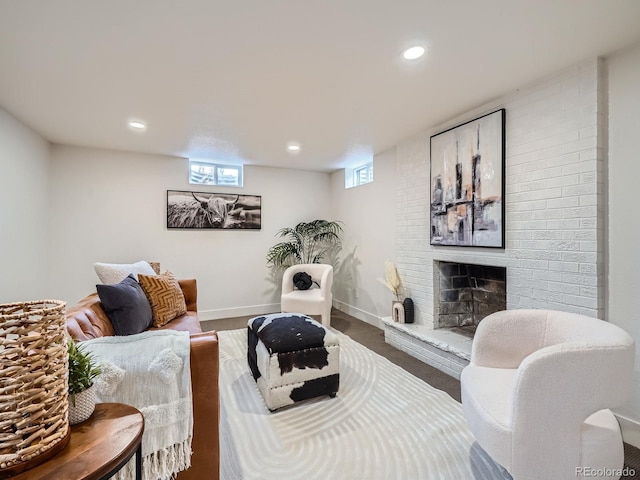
(292, 358)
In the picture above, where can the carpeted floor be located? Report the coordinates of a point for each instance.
(373, 338)
(384, 424)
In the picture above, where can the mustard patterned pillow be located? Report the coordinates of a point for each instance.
(165, 297)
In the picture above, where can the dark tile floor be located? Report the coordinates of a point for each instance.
(373, 338)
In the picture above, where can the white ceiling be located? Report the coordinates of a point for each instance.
(236, 80)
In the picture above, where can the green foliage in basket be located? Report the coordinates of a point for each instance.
(82, 368)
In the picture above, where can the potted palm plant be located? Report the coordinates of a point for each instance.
(82, 371)
(307, 242)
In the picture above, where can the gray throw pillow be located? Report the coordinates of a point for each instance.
(126, 306)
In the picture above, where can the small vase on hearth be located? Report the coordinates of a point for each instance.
(397, 311)
(408, 310)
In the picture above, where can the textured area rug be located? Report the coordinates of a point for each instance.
(384, 424)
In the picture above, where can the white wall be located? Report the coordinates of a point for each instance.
(623, 303)
(369, 216)
(24, 171)
(110, 206)
(553, 248)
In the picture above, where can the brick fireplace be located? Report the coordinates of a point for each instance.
(466, 293)
(553, 201)
(554, 216)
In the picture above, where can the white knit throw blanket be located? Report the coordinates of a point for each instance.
(151, 371)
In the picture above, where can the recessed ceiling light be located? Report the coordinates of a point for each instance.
(413, 53)
(293, 147)
(137, 125)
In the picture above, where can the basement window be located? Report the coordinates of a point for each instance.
(363, 174)
(207, 173)
(359, 176)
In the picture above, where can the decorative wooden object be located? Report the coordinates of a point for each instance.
(397, 311)
(33, 384)
(98, 448)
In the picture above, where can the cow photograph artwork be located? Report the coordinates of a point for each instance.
(219, 211)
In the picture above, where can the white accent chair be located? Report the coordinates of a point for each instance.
(537, 390)
(315, 301)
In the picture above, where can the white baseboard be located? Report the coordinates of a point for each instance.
(204, 315)
(238, 311)
(366, 317)
(630, 430)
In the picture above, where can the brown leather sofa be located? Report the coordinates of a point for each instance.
(87, 320)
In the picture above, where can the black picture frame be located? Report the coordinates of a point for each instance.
(213, 211)
(467, 183)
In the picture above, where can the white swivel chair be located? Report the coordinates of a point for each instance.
(537, 390)
(314, 301)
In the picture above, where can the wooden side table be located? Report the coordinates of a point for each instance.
(98, 447)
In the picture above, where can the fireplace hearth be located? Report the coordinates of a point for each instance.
(466, 293)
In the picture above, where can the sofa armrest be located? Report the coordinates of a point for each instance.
(205, 461)
(190, 292)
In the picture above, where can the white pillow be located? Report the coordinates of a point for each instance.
(111, 273)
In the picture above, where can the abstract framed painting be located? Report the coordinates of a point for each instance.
(467, 183)
(217, 211)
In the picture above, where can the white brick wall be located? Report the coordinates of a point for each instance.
(554, 199)
(446, 362)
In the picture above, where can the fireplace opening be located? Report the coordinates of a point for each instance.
(466, 293)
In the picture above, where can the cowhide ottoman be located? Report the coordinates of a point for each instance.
(292, 358)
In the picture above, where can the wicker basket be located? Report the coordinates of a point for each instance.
(33, 384)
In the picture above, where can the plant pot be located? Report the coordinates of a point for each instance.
(85, 404)
(397, 311)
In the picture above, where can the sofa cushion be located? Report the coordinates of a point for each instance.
(165, 296)
(87, 319)
(126, 306)
(111, 273)
(188, 322)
